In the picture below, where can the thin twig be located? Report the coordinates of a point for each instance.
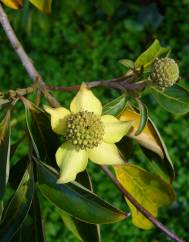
(140, 208)
(26, 61)
(120, 84)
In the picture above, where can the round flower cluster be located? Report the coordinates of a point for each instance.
(84, 130)
(164, 73)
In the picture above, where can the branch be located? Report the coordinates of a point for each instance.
(24, 58)
(140, 208)
(120, 83)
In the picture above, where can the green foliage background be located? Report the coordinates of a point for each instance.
(83, 41)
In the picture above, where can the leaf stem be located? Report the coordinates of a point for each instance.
(24, 58)
(140, 208)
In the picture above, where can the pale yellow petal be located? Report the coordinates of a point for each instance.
(58, 118)
(86, 100)
(105, 154)
(70, 161)
(114, 128)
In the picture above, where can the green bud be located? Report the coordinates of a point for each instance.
(164, 73)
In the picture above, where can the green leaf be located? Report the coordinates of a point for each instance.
(31, 229)
(45, 139)
(35, 214)
(152, 144)
(147, 57)
(18, 169)
(18, 207)
(143, 117)
(83, 231)
(116, 106)
(75, 199)
(4, 152)
(174, 99)
(42, 5)
(128, 63)
(148, 189)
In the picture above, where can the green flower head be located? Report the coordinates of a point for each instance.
(88, 134)
(165, 72)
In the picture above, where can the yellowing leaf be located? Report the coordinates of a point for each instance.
(148, 189)
(42, 5)
(152, 145)
(15, 4)
(148, 138)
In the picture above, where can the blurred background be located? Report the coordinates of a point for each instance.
(83, 40)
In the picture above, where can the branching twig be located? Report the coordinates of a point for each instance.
(120, 84)
(140, 208)
(26, 61)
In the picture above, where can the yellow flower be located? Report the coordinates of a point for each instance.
(88, 135)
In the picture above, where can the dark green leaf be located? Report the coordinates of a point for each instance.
(4, 152)
(14, 146)
(18, 207)
(116, 106)
(125, 146)
(18, 169)
(37, 227)
(45, 139)
(147, 57)
(143, 117)
(1, 208)
(32, 229)
(174, 99)
(83, 231)
(75, 199)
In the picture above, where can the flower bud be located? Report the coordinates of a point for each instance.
(164, 73)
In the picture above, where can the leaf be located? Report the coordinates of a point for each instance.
(14, 146)
(4, 152)
(148, 189)
(174, 99)
(18, 207)
(83, 231)
(116, 106)
(125, 147)
(35, 213)
(18, 169)
(44, 138)
(75, 199)
(15, 4)
(128, 63)
(143, 117)
(150, 140)
(147, 57)
(31, 229)
(43, 5)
